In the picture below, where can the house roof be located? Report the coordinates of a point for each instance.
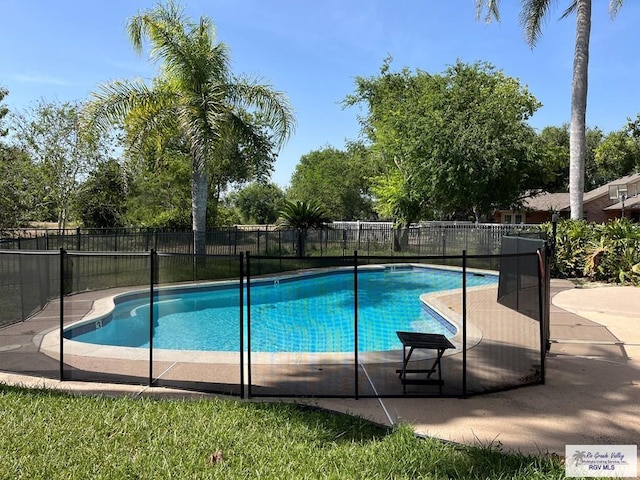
(545, 202)
(632, 203)
(559, 202)
(604, 189)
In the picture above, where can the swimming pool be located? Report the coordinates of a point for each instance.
(301, 313)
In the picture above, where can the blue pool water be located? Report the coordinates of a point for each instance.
(311, 313)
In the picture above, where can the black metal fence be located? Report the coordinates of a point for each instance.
(342, 239)
(250, 325)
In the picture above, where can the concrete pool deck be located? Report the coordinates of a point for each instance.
(591, 396)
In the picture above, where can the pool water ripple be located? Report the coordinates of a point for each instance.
(307, 313)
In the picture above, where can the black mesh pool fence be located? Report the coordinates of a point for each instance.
(279, 325)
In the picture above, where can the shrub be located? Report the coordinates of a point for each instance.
(600, 252)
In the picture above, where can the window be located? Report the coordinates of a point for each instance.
(513, 218)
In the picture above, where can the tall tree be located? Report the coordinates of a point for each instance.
(17, 179)
(196, 91)
(554, 148)
(337, 179)
(259, 203)
(532, 15)
(554, 144)
(19, 199)
(455, 144)
(617, 155)
(64, 148)
(102, 197)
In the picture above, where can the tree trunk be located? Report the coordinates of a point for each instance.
(301, 242)
(401, 238)
(577, 139)
(199, 194)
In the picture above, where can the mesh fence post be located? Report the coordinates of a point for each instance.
(152, 276)
(541, 314)
(62, 263)
(241, 322)
(355, 321)
(464, 323)
(248, 257)
(22, 283)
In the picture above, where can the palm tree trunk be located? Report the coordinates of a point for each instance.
(577, 139)
(301, 241)
(199, 194)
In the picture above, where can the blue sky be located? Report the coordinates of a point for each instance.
(61, 50)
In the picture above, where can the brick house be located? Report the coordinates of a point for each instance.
(613, 200)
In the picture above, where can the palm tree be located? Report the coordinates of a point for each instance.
(301, 217)
(532, 15)
(196, 91)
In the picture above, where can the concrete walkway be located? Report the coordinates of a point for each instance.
(592, 393)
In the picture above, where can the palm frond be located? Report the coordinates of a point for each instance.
(533, 13)
(573, 6)
(185, 50)
(614, 7)
(114, 101)
(493, 10)
(152, 121)
(199, 138)
(135, 27)
(144, 23)
(253, 147)
(272, 105)
(302, 216)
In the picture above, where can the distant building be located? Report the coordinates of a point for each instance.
(615, 199)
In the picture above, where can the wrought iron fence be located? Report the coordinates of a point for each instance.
(340, 238)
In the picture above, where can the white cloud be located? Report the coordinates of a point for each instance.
(45, 79)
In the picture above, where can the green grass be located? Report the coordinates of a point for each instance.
(51, 435)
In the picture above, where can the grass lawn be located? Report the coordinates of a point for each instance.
(51, 435)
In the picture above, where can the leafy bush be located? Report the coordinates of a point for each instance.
(614, 257)
(600, 252)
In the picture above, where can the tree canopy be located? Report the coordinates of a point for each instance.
(18, 184)
(17, 178)
(64, 148)
(102, 198)
(337, 179)
(259, 203)
(554, 145)
(619, 153)
(455, 144)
